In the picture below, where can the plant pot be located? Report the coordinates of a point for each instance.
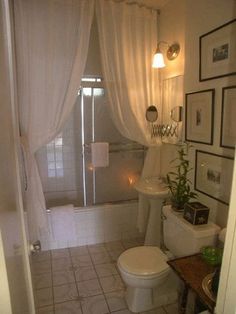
(180, 210)
(177, 207)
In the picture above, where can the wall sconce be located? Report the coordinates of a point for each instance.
(172, 53)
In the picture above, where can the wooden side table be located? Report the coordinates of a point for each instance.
(192, 270)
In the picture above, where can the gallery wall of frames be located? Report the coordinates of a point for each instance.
(213, 171)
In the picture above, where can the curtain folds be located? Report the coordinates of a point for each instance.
(52, 40)
(128, 38)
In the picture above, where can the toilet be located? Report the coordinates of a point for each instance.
(149, 280)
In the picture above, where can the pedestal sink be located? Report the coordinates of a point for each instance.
(156, 192)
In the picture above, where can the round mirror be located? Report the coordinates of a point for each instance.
(176, 113)
(151, 114)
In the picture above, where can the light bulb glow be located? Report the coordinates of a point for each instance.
(90, 167)
(158, 60)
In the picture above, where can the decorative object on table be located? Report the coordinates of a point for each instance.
(228, 114)
(212, 255)
(199, 116)
(196, 213)
(178, 183)
(213, 175)
(218, 52)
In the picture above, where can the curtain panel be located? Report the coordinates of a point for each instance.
(128, 38)
(52, 39)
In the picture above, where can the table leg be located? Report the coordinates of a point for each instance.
(184, 299)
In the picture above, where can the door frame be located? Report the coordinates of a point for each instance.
(226, 302)
(7, 13)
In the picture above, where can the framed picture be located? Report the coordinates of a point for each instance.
(199, 116)
(218, 52)
(228, 114)
(213, 175)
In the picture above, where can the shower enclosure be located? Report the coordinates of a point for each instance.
(65, 163)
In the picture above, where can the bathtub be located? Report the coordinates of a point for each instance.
(100, 223)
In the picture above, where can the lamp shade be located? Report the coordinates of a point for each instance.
(158, 60)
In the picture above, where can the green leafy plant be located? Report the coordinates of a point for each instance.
(178, 182)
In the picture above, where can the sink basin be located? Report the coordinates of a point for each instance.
(152, 187)
(207, 286)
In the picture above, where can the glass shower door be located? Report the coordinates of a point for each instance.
(115, 182)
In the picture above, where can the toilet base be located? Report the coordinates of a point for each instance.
(140, 299)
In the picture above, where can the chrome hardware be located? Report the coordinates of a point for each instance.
(161, 130)
(35, 247)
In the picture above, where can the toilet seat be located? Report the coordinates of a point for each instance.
(144, 261)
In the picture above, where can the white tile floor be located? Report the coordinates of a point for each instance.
(83, 280)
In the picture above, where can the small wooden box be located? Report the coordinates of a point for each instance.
(196, 213)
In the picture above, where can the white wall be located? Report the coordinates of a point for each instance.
(184, 21)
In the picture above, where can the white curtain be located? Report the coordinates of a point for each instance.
(52, 38)
(128, 39)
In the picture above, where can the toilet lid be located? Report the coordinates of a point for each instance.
(143, 260)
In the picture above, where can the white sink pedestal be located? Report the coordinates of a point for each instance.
(153, 232)
(156, 192)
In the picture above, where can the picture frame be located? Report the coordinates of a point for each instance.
(217, 52)
(213, 175)
(199, 116)
(228, 114)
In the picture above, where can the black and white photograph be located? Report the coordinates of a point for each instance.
(221, 53)
(218, 52)
(228, 114)
(213, 175)
(199, 116)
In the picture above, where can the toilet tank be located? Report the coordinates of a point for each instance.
(183, 238)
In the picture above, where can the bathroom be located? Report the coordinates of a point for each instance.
(179, 21)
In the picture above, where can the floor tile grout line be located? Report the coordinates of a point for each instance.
(53, 303)
(93, 264)
(80, 303)
(101, 285)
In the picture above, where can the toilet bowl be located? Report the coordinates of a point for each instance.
(149, 280)
(143, 266)
(144, 269)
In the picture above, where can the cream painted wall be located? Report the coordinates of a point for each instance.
(172, 29)
(196, 18)
(93, 65)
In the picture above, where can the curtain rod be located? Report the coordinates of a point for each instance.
(141, 5)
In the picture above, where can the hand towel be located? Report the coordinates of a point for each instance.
(100, 154)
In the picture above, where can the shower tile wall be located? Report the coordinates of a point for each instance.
(60, 166)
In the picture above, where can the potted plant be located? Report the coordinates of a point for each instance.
(178, 182)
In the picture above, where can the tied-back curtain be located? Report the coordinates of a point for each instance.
(52, 38)
(128, 38)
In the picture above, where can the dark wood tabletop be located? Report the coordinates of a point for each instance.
(192, 270)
